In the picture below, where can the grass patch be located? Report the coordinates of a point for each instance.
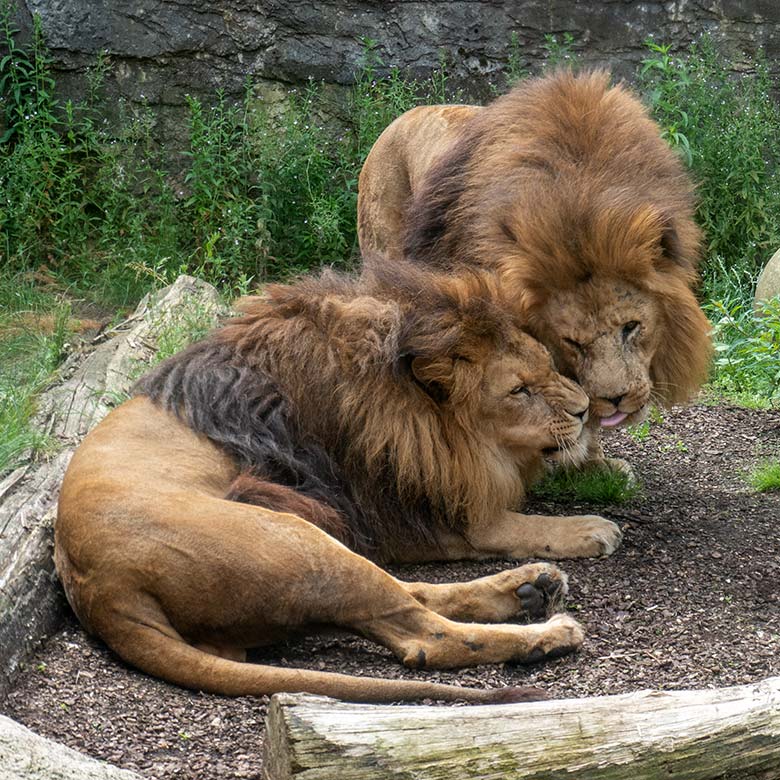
(766, 476)
(593, 485)
(34, 329)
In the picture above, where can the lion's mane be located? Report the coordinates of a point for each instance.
(561, 179)
(312, 393)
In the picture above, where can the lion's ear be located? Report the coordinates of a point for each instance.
(435, 375)
(678, 250)
(671, 247)
(658, 230)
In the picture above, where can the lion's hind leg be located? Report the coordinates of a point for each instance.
(250, 489)
(534, 591)
(159, 651)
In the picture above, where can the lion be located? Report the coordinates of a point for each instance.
(240, 495)
(566, 189)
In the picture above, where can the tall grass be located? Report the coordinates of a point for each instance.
(728, 130)
(29, 351)
(266, 194)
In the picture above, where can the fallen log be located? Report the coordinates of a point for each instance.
(31, 602)
(27, 756)
(729, 733)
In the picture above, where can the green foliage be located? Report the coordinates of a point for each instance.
(267, 193)
(226, 211)
(592, 485)
(310, 168)
(28, 355)
(728, 129)
(641, 431)
(514, 70)
(747, 348)
(560, 51)
(766, 476)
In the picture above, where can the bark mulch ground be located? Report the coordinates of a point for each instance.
(690, 600)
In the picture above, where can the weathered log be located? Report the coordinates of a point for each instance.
(27, 756)
(30, 597)
(689, 735)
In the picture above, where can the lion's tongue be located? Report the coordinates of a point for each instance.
(615, 419)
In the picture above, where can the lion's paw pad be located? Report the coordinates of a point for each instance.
(539, 598)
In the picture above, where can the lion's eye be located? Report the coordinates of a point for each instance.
(520, 390)
(630, 328)
(575, 345)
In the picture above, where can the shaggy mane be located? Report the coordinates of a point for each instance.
(561, 179)
(353, 408)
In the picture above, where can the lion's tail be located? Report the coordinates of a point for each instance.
(160, 652)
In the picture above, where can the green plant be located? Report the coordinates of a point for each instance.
(514, 69)
(728, 129)
(25, 78)
(747, 349)
(559, 51)
(766, 476)
(641, 431)
(226, 210)
(34, 329)
(593, 485)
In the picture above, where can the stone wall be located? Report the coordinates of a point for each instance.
(165, 49)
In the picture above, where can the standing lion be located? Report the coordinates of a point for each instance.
(566, 189)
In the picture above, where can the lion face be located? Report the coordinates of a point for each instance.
(605, 333)
(531, 407)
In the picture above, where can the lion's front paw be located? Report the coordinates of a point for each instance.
(591, 536)
(560, 635)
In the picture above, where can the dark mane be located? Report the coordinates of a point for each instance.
(431, 211)
(307, 433)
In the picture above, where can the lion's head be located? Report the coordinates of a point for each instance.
(527, 408)
(565, 187)
(468, 359)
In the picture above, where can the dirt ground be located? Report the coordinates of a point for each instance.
(690, 600)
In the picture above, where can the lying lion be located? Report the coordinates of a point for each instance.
(567, 190)
(213, 513)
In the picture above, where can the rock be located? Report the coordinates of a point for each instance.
(26, 756)
(768, 285)
(163, 51)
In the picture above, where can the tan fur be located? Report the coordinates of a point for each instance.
(566, 190)
(180, 581)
